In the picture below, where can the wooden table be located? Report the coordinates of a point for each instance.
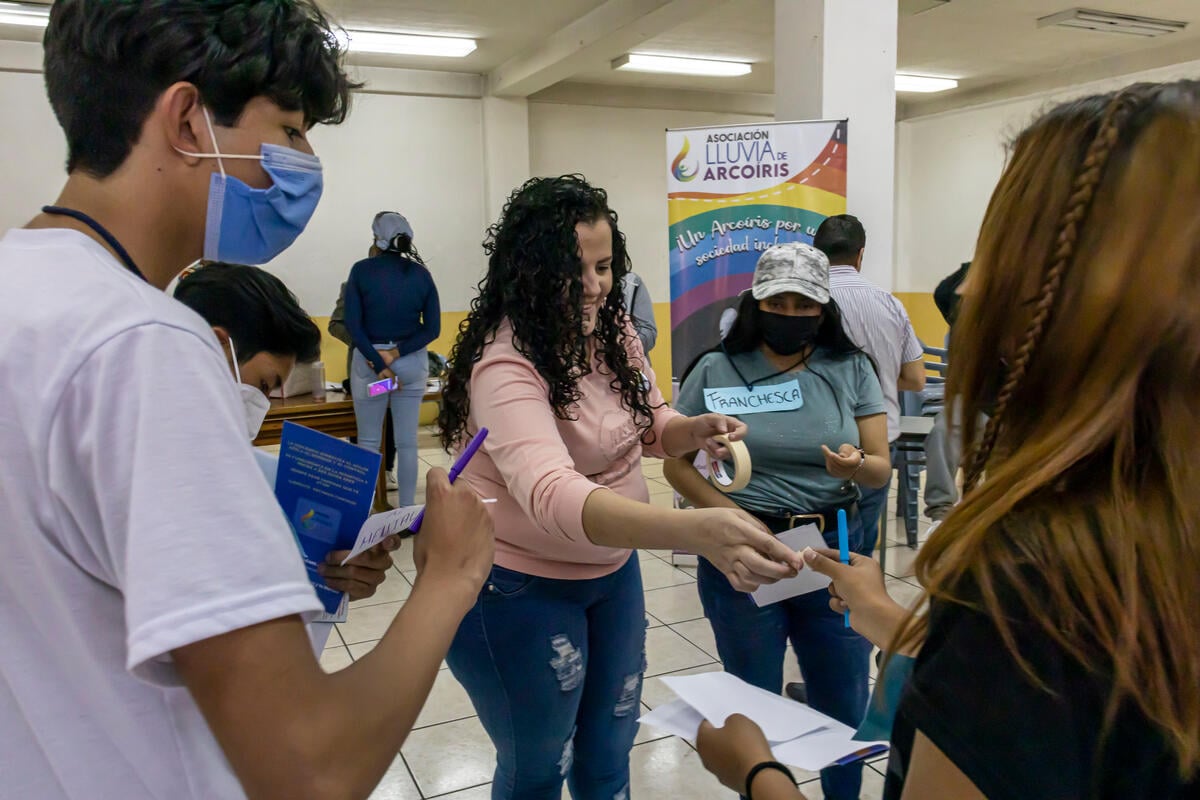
(334, 415)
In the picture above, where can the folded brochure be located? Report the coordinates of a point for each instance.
(326, 487)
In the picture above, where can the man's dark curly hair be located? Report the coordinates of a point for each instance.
(534, 280)
(107, 62)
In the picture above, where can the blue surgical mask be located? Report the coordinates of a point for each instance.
(251, 226)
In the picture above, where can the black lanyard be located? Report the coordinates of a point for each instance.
(101, 231)
(750, 384)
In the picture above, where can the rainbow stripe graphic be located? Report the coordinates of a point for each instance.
(716, 237)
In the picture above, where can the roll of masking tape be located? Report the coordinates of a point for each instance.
(719, 470)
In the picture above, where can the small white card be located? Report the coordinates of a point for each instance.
(343, 610)
(380, 526)
(738, 400)
(807, 580)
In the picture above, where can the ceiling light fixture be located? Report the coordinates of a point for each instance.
(1111, 23)
(406, 44)
(675, 65)
(924, 83)
(29, 16)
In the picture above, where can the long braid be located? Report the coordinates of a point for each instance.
(1083, 192)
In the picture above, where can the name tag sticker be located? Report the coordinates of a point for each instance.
(738, 400)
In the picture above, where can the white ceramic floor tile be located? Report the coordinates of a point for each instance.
(652, 622)
(397, 784)
(700, 633)
(646, 555)
(652, 467)
(791, 667)
(667, 651)
(872, 785)
(663, 500)
(655, 692)
(437, 459)
(335, 658)
(360, 649)
(447, 701)
(402, 559)
(897, 535)
(669, 768)
(675, 604)
(483, 792)
(658, 574)
(393, 589)
(450, 757)
(334, 640)
(900, 560)
(903, 592)
(371, 622)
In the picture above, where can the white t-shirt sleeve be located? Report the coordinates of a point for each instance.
(147, 453)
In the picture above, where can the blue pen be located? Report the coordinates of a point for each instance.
(459, 465)
(844, 547)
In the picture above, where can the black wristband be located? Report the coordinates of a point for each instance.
(759, 768)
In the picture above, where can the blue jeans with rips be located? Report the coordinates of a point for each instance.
(554, 669)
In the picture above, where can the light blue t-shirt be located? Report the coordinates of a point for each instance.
(787, 465)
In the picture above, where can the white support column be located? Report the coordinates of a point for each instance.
(836, 59)
(505, 150)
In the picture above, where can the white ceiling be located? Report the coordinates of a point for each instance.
(982, 42)
(985, 43)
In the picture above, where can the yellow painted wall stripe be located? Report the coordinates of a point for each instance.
(926, 319)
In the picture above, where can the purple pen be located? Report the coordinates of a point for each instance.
(459, 465)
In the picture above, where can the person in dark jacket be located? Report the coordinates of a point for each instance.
(392, 313)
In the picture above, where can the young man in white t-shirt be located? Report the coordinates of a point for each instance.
(150, 598)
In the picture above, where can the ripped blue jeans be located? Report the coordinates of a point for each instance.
(554, 669)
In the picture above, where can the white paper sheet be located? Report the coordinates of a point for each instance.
(380, 526)
(676, 718)
(821, 748)
(719, 695)
(807, 580)
(813, 751)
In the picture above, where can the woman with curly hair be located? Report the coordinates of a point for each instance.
(1059, 653)
(553, 652)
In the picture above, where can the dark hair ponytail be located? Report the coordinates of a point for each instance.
(402, 244)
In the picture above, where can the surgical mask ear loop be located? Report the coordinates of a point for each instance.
(217, 150)
(237, 373)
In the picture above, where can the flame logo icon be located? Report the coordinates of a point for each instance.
(681, 170)
(307, 517)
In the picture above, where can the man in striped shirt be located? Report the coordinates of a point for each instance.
(877, 322)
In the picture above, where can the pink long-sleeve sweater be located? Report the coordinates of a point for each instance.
(541, 469)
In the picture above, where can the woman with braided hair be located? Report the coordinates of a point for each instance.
(1059, 653)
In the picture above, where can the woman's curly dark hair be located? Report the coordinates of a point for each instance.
(534, 280)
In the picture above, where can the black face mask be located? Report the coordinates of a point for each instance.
(787, 335)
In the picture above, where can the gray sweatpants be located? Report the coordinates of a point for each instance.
(943, 452)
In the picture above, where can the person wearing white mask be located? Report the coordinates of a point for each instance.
(266, 334)
(151, 600)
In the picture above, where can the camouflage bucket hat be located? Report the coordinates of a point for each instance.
(792, 267)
